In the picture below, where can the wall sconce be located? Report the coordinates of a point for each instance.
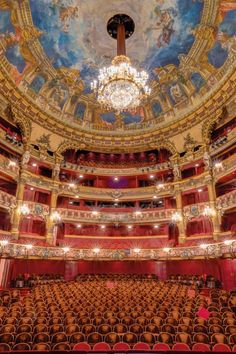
(209, 211)
(24, 210)
(176, 217)
(56, 217)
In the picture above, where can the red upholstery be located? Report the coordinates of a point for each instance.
(121, 346)
(102, 346)
(201, 347)
(161, 347)
(181, 347)
(141, 346)
(82, 347)
(220, 347)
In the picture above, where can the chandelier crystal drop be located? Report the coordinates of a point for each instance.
(120, 86)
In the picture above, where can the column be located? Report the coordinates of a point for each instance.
(19, 201)
(179, 210)
(50, 223)
(216, 219)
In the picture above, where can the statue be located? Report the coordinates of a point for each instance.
(25, 158)
(207, 160)
(56, 171)
(176, 171)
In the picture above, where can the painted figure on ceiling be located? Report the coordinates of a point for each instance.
(226, 6)
(165, 24)
(176, 93)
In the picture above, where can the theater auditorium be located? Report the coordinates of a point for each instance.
(117, 176)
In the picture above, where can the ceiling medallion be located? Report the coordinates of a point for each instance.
(120, 86)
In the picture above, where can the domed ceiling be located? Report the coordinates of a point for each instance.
(53, 49)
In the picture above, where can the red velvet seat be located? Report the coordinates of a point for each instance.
(221, 347)
(102, 346)
(121, 346)
(82, 347)
(181, 347)
(141, 346)
(201, 347)
(161, 347)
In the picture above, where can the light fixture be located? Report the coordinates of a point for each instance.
(209, 211)
(24, 210)
(78, 226)
(228, 242)
(120, 86)
(81, 176)
(31, 188)
(130, 227)
(176, 217)
(156, 226)
(29, 247)
(71, 185)
(34, 164)
(94, 212)
(137, 250)
(66, 249)
(56, 217)
(197, 165)
(103, 226)
(160, 185)
(199, 190)
(116, 199)
(12, 163)
(151, 176)
(116, 179)
(96, 250)
(4, 243)
(203, 246)
(218, 165)
(138, 212)
(166, 249)
(154, 197)
(77, 196)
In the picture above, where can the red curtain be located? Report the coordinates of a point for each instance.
(222, 269)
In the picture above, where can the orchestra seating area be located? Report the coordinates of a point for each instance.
(105, 313)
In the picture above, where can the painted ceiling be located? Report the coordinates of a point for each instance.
(54, 48)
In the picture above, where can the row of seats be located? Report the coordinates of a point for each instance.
(128, 309)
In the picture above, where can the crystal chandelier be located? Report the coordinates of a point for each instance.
(121, 87)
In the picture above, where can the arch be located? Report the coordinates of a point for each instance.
(80, 109)
(208, 126)
(165, 144)
(156, 108)
(38, 82)
(67, 145)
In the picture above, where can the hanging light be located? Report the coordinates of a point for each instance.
(120, 86)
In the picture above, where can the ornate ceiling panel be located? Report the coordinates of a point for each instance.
(52, 49)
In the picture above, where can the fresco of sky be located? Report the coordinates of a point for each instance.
(75, 31)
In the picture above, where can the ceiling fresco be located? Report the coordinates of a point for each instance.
(54, 48)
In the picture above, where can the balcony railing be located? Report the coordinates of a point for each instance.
(105, 217)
